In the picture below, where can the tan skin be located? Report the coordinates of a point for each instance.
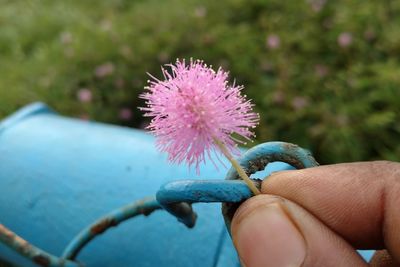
(319, 216)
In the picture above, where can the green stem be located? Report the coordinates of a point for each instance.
(237, 167)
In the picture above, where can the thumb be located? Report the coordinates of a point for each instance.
(271, 231)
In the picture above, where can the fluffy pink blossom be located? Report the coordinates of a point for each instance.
(193, 107)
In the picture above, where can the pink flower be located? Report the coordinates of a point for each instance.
(345, 39)
(104, 70)
(273, 41)
(317, 5)
(125, 114)
(299, 103)
(84, 95)
(321, 70)
(192, 108)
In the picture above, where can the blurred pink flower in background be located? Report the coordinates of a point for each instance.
(126, 51)
(125, 114)
(273, 41)
(299, 103)
(278, 97)
(317, 5)
(104, 70)
(66, 38)
(84, 95)
(345, 39)
(192, 108)
(200, 11)
(321, 70)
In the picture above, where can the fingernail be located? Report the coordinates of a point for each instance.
(267, 237)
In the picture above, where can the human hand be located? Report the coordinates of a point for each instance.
(319, 216)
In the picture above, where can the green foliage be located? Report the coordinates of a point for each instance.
(323, 74)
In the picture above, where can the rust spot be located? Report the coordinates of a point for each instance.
(41, 260)
(257, 165)
(145, 211)
(290, 146)
(102, 226)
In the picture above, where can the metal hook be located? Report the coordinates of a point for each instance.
(177, 197)
(258, 157)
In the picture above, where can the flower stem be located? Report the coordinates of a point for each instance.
(237, 167)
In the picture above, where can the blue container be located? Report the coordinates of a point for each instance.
(58, 175)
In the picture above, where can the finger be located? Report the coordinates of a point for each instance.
(359, 201)
(381, 258)
(271, 231)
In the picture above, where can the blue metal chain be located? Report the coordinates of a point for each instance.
(175, 197)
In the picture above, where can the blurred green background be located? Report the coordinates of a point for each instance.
(323, 74)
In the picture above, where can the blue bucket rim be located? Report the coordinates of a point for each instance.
(24, 112)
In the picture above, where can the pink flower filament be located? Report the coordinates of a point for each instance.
(192, 107)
